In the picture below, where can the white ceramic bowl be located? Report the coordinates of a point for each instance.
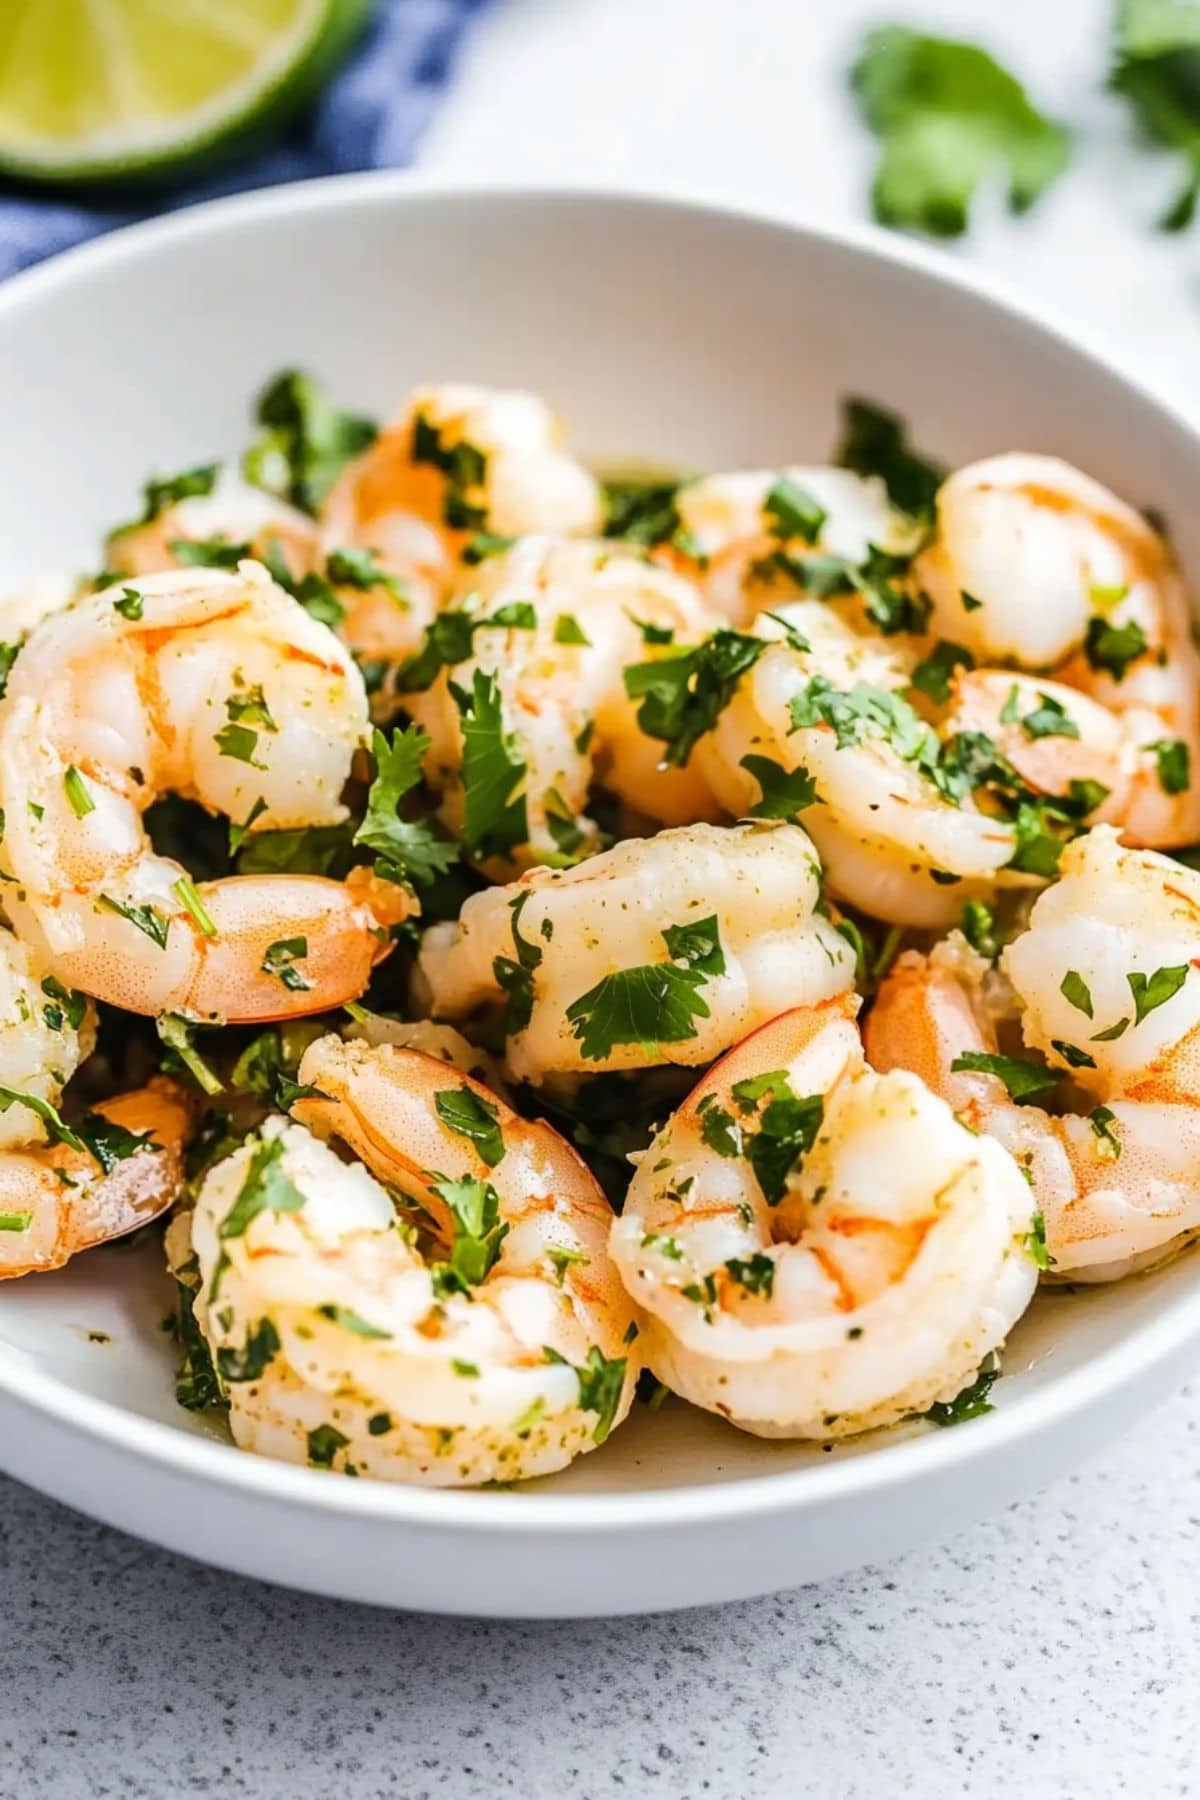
(677, 332)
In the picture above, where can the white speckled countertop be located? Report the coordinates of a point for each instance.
(1052, 1651)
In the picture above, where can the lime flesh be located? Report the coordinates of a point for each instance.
(104, 90)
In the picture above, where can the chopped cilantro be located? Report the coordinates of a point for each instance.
(128, 603)
(81, 801)
(641, 511)
(406, 851)
(307, 440)
(790, 511)
(947, 115)
(359, 568)
(146, 917)
(560, 1259)
(875, 442)
(485, 544)
(66, 1004)
(1108, 1144)
(1049, 718)
(349, 1320)
(653, 1004)
(324, 1442)
(1024, 1077)
(280, 959)
(165, 491)
(15, 1221)
(472, 1116)
(249, 1363)
(176, 1033)
(934, 674)
(784, 793)
(1113, 647)
(493, 773)
(683, 694)
(266, 1187)
(515, 977)
(1151, 991)
(1072, 1055)
(755, 1273)
(1173, 761)
(187, 894)
(208, 553)
(568, 630)
(465, 467)
(601, 1382)
(1074, 989)
(978, 925)
(474, 1207)
(970, 1404)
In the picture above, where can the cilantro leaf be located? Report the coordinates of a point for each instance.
(970, 1404)
(307, 441)
(875, 442)
(791, 511)
(1113, 647)
(474, 1208)
(406, 851)
(515, 976)
(217, 552)
(784, 792)
(259, 1349)
(601, 1383)
(1173, 761)
(324, 1442)
(935, 672)
(493, 773)
(1152, 991)
(1022, 1076)
(655, 1003)
(472, 1116)
(754, 1273)
(1157, 70)
(266, 1187)
(352, 1321)
(683, 694)
(1074, 989)
(947, 115)
(641, 511)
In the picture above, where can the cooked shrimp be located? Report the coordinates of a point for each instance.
(218, 687)
(567, 619)
(1060, 743)
(1057, 572)
(660, 950)
(442, 1042)
(731, 529)
(1105, 983)
(819, 1249)
(503, 1351)
(893, 839)
(231, 513)
(57, 1199)
(459, 459)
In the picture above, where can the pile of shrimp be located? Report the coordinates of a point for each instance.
(539, 941)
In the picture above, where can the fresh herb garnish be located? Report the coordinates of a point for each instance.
(970, 1404)
(406, 851)
(1152, 991)
(1022, 1076)
(947, 114)
(784, 792)
(307, 441)
(266, 1187)
(493, 773)
(474, 1207)
(1112, 648)
(472, 1116)
(655, 1003)
(683, 694)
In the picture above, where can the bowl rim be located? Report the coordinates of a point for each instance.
(926, 1456)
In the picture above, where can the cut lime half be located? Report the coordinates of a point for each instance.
(109, 91)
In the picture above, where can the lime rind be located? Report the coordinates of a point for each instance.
(287, 72)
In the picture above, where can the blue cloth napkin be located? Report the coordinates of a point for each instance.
(370, 117)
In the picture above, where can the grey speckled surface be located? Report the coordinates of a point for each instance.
(1053, 1651)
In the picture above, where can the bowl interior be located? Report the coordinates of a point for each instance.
(664, 332)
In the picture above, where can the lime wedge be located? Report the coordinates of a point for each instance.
(109, 91)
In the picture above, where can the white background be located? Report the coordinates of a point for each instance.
(1051, 1651)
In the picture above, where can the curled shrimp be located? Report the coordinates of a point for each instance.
(732, 527)
(501, 1351)
(220, 688)
(818, 1249)
(1102, 997)
(57, 1195)
(824, 702)
(58, 1199)
(1036, 564)
(552, 624)
(459, 459)
(232, 513)
(660, 950)
(1062, 744)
